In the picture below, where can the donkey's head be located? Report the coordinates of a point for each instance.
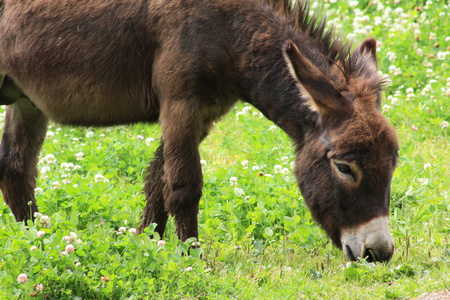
(345, 166)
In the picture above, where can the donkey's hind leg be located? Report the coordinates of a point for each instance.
(23, 135)
(154, 211)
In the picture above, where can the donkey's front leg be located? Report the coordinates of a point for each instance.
(182, 131)
(23, 134)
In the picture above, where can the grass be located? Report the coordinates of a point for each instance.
(257, 237)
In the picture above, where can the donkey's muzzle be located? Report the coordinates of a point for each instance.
(371, 241)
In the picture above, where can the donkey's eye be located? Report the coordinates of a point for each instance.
(343, 168)
(346, 170)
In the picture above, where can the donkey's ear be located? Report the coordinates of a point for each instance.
(369, 46)
(315, 88)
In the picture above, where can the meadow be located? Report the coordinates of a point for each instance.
(257, 237)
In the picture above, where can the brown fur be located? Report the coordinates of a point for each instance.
(184, 64)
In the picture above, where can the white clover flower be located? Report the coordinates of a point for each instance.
(73, 235)
(33, 248)
(132, 230)
(50, 159)
(441, 55)
(256, 168)
(77, 264)
(203, 162)
(419, 52)
(426, 166)
(66, 238)
(392, 68)
(285, 171)
(50, 134)
(122, 229)
(353, 3)
(427, 64)
(64, 253)
(98, 178)
(233, 181)
(409, 96)
(386, 108)
(444, 124)
(351, 36)
(37, 215)
(40, 233)
(106, 180)
(56, 185)
(391, 55)
(38, 190)
(244, 164)
(273, 128)
(89, 134)
(77, 167)
(377, 21)
(149, 141)
(44, 221)
(427, 89)
(161, 243)
(188, 269)
(277, 169)
(409, 90)
(79, 155)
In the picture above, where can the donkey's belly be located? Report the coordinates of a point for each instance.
(96, 110)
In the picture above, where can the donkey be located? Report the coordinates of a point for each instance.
(184, 64)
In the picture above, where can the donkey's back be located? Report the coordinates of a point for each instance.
(105, 62)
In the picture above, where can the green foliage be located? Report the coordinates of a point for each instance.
(257, 238)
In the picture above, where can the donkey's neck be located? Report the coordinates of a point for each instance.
(271, 88)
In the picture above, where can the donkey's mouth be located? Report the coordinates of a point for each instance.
(371, 241)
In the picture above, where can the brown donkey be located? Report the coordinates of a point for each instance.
(184, 64)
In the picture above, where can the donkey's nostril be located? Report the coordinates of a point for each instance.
(349, 253)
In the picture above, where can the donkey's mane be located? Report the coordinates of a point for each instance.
(349, 63)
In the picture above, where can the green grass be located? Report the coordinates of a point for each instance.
(258, 240)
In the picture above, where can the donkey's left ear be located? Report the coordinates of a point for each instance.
(317, 90)
(369, 46)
